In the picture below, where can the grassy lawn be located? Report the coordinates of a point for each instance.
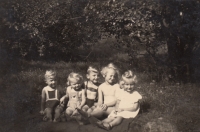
(21, 86)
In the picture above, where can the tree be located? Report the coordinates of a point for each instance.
(149, 24)
(57, 28)
(50, 28)
(181, 27)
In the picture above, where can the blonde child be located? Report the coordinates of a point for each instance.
(50, 98)
(106, 93)
(107, 99)
(128, 106)
(91, 89)
(75, 93)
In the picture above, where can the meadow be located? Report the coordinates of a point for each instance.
(22, 82)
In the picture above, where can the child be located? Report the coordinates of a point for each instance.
(75, 93)
(107, 90)
(128, 106)
(50, 98)
(91, 89)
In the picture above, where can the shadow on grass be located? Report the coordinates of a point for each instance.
(144, 107)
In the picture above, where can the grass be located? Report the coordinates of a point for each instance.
(21, 89)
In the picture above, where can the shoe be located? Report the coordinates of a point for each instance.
(102, 125)
(57, 120)
(46, 119)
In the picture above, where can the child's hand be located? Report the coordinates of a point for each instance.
(62, 100)
(75, 113)
(104, 107)
(42, 112)
(119, 110)
(79, 107)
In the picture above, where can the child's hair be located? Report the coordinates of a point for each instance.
(74, 76)
(109, 66)
(92, 69)
(128, 76)
(49, 74)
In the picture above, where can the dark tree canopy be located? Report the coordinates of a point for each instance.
(56, 29)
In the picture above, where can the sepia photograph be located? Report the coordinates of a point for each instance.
(100, 65)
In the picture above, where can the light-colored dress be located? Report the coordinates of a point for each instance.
(119, 92)
(127, 100)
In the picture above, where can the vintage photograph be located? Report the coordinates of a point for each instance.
(100, 65)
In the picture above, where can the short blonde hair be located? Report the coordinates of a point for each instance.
(92, 69)
(74, 76)
(128, 76)
(108, 67)
(49, 74)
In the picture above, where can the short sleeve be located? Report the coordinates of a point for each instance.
(136, 97)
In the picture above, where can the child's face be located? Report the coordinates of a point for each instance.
(110, 76)
(76, 85)
(93, 76)
(129, 86)
(51, 82)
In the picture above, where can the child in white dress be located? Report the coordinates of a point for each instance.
(128, 105)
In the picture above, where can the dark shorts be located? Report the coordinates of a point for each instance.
(89, 102)
(52, 104)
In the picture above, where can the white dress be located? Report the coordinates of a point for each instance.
(118, 92)
(127, 100)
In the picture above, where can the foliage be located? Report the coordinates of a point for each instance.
(131, 22)
(148, 25)
(181, 29)
(57, 29)
(54, 29)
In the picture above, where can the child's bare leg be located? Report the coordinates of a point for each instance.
(68, 114)
(106, 123)
(98, 112)
(109, 110)
(108, 120)
(85, 108)
(58, 112)
(116, 121)
(90, 109)
(48, 113)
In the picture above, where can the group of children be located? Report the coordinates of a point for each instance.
(114, 99)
